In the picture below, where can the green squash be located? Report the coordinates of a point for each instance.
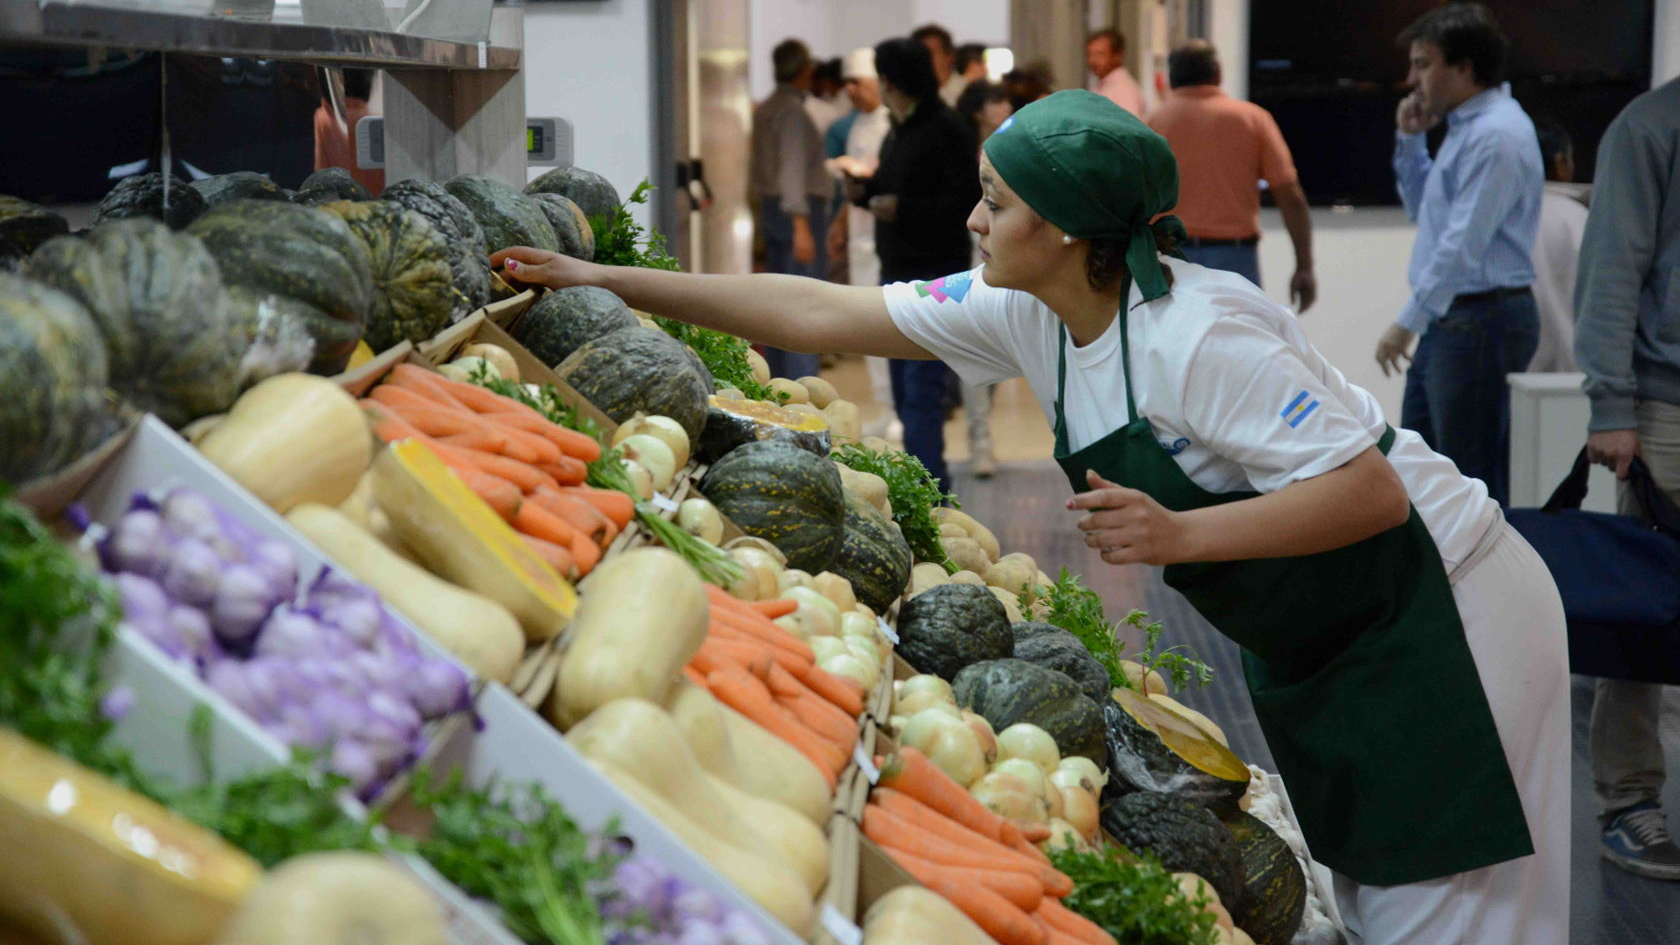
(785, 495)
(1274, 894)
(23, 227)
(240, 185)
(1054, 648)
(509, 218)
(873, 555)
(1007, 691)
(641, 370)
(592, 193)
(731, 422)
(948, 627)
(571, 227)
(143, 196)
(168, 325)
(469, 261)
(298, 261)
(1152, 748)
(1186, 837)
(329, 184)
(413, 294)
(562, 322)
(53, 369)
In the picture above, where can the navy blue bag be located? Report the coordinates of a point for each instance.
(1619, 576)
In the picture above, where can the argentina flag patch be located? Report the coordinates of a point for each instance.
(1298, 409)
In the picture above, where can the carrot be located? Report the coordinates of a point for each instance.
(1023, 892)
(919, 837)
(1062, 919)
(395, 396)
(500, 494)
(479, 439)
(818, 715)
(774, 608)
(841, 691)
(996, 916)
(387, 425)
(910, 772)
(577, 513)
(695, 676)
(1055, 936)
(618, 507)
(587, 553)
(538, 522)
(741, 691)
(538, 448)
(786, 660)
(521, 475)
(764, 632)
(571, 442)
(566, 470)
(423, 382)
(482, 399)
(1033, 833)
(907, 807)
(557, 557)
(432, 420)
(1030, 848)
(755, 661)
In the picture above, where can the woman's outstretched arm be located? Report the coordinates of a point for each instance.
(790, 312)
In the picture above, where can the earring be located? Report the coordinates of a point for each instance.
(1067, 240)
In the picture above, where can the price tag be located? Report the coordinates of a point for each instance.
(483, 55)
(840, 928)
(887, 630)
(866, 764)
(665, 504)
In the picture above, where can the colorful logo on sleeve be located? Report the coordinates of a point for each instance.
(953, 287)
(1176, 446)
(1298, 409)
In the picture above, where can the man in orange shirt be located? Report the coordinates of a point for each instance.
(1225, 147)
(335, 143)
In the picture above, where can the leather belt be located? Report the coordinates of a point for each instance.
(1491, 295)
(1197, 241)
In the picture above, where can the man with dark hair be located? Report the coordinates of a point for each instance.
(791, 185)
(942, 50)
(826, 103)
(971, 63)
(1225, 148)
(1105, 55)
(1627, 339)
(1477, 206)
(1557, 247)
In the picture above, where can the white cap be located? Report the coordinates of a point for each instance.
(858, 64)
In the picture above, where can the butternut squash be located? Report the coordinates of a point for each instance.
(643, 617)
(291, 439)
(337, 898)
(84, 854)
(457, 536)
(736, 749)
(474, 629)
(637, 736)
(915, 915)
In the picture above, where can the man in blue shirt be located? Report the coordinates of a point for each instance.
(1477, 205)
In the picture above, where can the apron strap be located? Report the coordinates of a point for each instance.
(1126, 357)
(1061, 380)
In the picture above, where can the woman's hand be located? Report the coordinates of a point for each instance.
(1128, 526)
(540, 267)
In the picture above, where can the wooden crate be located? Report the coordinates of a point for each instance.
(480, 328)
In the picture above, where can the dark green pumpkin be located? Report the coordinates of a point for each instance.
(641, 370)
(509, 218)
(948, 627)
(240, 185)
(329, 184)
(1186, 837)
(1274, 893)
(873, 555)
(413, 294)
(1007, 691)
(1152, 748)
(562, 322)
(1054, 648)
(143, 196)
(592, 193)
(571, 227)
(469, 261)
(785, 495)
(23, 227)
(287, 251)
(169, 328)
(733, 421)
(53, 373)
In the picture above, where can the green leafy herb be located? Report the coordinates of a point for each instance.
(621, 241)
(1138, 903)
(280, 813)
(1177, 663)
(913, 493)
(1079, 610)
(724, 355)
(523, 852)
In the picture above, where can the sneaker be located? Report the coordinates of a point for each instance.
(985, 464)
(1637, 841)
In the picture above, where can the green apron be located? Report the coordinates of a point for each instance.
(1360, 675)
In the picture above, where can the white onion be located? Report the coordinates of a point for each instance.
(1008, 796)
(1025, 740)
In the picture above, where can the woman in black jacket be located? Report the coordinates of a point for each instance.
(921, 195)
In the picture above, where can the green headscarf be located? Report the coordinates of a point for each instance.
(1096, 171)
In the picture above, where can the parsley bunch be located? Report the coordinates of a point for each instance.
(1137, 902)
(913, 493)
(1079, 610)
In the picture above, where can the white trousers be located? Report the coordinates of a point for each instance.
(1513, 621)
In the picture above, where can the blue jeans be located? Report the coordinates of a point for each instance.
(1242, 260)
(918, 389)
(778, 251)
(1456, 395)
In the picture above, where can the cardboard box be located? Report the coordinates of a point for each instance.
(479, 329)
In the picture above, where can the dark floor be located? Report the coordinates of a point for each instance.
(1025, 505)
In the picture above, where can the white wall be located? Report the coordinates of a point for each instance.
(589, 63)
(1665, 63)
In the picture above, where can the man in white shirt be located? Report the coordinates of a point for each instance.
(1105, 55)
(1557, 249)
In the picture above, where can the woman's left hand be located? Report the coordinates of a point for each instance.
(1128, 526)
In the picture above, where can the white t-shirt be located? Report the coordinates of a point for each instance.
(1224, 374)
